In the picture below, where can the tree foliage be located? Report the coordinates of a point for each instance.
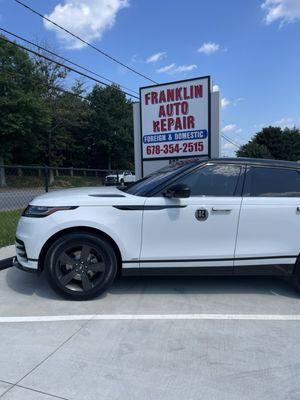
(273, 142)
(22, 108)
(42, 124)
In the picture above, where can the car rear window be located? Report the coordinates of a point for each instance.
(272, 182)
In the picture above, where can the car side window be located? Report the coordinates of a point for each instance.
(272, 182)
(213, 180)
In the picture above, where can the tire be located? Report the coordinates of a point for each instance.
(295, 278)
(122, 182)
(80, 266)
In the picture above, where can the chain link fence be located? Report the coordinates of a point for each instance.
(20, 184)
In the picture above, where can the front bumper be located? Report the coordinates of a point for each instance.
(25, 263)
(111, 183)
(16, 264)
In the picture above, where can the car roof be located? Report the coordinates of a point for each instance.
(256, 161)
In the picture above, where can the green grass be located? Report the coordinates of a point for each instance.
(59, 181)
(8, 225)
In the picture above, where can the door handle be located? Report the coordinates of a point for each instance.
(228, 210)
(298, 209)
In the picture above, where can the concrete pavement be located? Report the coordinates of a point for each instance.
(7, 252)
(150, 359)
(6, 256)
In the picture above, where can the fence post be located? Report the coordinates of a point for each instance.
(71, 171)
(46, 178)
(2, 173)
(51, 176)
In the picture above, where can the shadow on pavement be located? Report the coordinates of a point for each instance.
(29, 284)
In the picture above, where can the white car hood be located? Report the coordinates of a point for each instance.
(112, 176)
(86, 196)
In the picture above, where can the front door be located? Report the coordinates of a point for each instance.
(196, 232)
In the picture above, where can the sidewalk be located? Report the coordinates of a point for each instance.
(6, 255)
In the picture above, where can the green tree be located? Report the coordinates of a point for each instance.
(41, 123)
(23, 112)
(67, 143)
(110, 128)
(273, 142)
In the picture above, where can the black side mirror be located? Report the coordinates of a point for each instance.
(178, 191)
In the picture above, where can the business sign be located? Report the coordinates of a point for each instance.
(175, 119)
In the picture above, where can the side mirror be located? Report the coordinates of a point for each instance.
(178, 191)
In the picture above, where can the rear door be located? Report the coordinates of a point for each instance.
(199, 231)
(269, 227)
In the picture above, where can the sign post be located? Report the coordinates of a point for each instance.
(174, 122)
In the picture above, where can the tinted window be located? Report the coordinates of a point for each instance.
(150, 182)
(213, 180)
(272, 182)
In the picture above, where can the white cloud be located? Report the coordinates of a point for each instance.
(233, 133)
(282, 123)
(228, 128)
(238, 100)
(285, 11)
(88, 19)
(285, 123)
(173, 69)
(216, 88)
(156, 57)
(208, 48)
(166, 68)
(225, 102)
(184, 68)
(228, 149)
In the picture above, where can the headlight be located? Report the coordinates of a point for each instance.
(41, 211)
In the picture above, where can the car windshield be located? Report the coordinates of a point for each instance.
(143, 186)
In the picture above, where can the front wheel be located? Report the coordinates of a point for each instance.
(80, 266)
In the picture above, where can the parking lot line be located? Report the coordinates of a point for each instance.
(113, 317)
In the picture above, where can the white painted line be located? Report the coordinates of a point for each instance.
(184, 317)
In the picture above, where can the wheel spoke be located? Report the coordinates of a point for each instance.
(68, 277)
(65, 259)
(85, 252)
(86, 283)
(96, 267)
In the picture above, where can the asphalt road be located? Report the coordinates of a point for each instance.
(17, 198)
(151, 338)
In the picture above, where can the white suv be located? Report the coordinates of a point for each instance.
(224, 216)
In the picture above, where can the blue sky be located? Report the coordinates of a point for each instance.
(251, 48)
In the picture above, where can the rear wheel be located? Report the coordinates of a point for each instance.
(80, 266)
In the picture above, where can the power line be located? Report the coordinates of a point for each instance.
(63, 66)
(65, 59)
(50, 86)
(85, 42)
(230, 141)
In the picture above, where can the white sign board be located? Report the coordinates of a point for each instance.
(175, 119)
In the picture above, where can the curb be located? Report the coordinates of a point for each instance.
(6, 263)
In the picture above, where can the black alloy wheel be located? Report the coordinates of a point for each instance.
(81, 266)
